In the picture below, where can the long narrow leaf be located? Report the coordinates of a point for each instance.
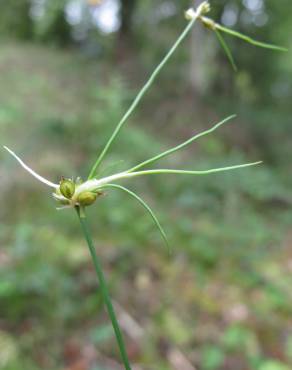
(93, 185)
(249, 39)
(226, 49)
(181, 146)
(140, 96)
(145, 205)
(187, 172)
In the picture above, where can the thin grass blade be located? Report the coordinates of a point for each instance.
(187, 172)
(249, 39)
(145, 205)
(225, 47)
(181, 146)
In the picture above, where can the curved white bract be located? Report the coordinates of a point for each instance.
(31, 171)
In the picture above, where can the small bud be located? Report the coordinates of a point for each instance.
(86, 198)
(190, 14)
(67, 188)
(204, 8)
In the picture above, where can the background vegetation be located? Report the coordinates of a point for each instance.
(222, 300)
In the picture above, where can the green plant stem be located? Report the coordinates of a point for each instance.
(140, 96)
(104, 289)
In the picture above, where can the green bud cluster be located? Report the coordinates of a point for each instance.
(66, 194)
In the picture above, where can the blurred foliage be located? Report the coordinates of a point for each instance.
(223, 298)
(15, 19)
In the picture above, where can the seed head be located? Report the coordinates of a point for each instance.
(86, 198)
(67, 188)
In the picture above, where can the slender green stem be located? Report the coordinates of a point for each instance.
(140, 96)
(104, 290)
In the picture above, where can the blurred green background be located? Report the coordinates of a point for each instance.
(223, 299)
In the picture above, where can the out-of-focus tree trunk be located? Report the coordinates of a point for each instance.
(127, 12)
(197, 70)
(125, 34)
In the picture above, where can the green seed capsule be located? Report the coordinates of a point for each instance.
(87, 198)
(67, 188)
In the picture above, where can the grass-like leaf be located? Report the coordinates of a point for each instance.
(145, 205)
(249, 39)
(189, 172)
(182, 145)
(225, 47)
(139, 97)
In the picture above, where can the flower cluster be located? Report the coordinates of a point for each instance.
(69, 195)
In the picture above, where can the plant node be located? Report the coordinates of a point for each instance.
(209, 23)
